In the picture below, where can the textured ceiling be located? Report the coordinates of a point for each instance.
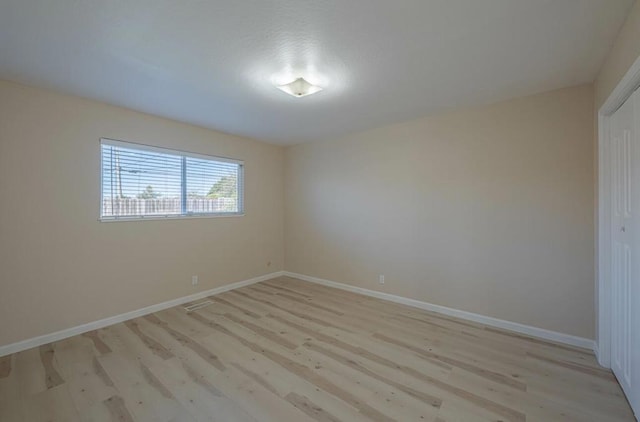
(213, 63)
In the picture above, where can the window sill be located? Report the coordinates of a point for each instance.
(167, 217)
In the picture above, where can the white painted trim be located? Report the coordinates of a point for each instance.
(541, 333)
(603, 249)
(73, 331)
(165, 150)
(169, 217)
(627, 85)
(494, 322)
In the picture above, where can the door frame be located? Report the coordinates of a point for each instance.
(627, 85)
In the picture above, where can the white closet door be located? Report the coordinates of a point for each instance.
(633, 388)
(625, 233)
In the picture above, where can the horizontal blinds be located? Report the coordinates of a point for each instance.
(140, 181)
(212, 183)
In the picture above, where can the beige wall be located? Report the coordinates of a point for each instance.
(625, 50)
(60, 267)
(487, 210)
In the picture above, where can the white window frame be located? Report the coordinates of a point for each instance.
(181, 153)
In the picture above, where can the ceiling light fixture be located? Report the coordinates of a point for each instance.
(299, 88)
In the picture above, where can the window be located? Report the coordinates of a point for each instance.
(140, 181)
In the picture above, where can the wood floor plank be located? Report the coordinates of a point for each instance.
(11, 396)
(118, 409)
(439, 388)
(491, 375)
(121, 339)
(420, 395)
(288, 350)
(396, 398)
(88, 383)
(305, 372)
(155, 347)
(52, 405)
(100, 345)
(279, 380)
(238, 307)
(307, 301)
(145, 397)
(30, 372)
(51, 374)
(497, 377)
(596, 372)
(188, 342)
(196, 394)
(558, 403)
(259, 402)
(237, 298)
(307, 406)
(300, 312)
(5, 366)
(497, 337)
(264, 332)
(282, 331)
(371, 387)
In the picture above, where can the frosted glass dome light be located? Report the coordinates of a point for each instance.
(299, 88)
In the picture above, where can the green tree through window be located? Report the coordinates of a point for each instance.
(148, 193)
(226, 187)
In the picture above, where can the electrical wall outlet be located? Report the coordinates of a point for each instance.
(194, 280)
(381, 279)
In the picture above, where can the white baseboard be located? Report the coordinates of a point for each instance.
(494, 322)
(74, 331)
(528, 330)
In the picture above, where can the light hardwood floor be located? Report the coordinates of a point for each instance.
(288, 350)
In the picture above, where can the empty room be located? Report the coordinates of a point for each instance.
(319, 210)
